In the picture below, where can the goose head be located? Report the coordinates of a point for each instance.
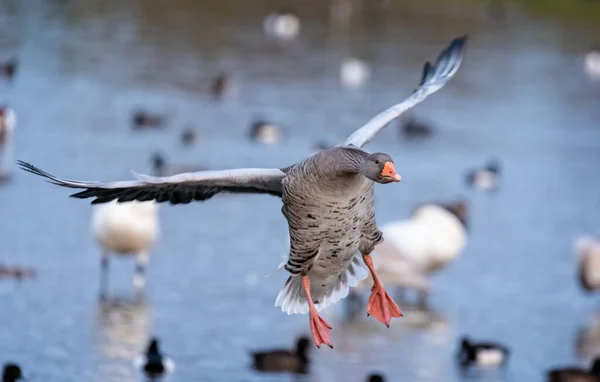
(379, 167)
(11, 373)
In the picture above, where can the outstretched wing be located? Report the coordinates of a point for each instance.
(177, 189)
(434, 78)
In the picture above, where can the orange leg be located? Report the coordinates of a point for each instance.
(381, 305)
(318, 326)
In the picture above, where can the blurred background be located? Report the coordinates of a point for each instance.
(100, 88)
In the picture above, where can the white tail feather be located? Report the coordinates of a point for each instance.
(292, 299)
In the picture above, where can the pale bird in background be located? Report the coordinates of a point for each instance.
(8, 120)
(283, 25)
(129, 228)
(426, 242)
(592, 64)
(265, 132)
(354, 73)
(587, 249)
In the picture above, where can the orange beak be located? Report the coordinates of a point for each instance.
(390, 172)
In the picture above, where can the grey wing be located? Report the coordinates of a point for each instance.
(177, 189)
(434, 78)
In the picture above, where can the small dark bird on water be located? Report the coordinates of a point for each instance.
(413, 129)
(11, 373)
(189, 136)
(221, 86)
(486, 178)
(576, 374)
(282, 360)
(154, 364)
(483, 354)
(144, 120)
(376, 378)
(8, 69)
(17, 273)
(161, 168)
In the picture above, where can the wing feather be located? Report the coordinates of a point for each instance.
(434, 78)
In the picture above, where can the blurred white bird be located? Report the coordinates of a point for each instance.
(129, 228)
(354, 73)
(428, 241)
(265, 132)
(8, 121)
(486, 178)
(283, 25)
(592, 64)
(587, 248)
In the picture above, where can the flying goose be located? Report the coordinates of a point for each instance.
(328, 201)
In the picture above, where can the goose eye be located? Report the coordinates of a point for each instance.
(376, 161)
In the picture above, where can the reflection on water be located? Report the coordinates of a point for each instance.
(121, 326)
(587, 341)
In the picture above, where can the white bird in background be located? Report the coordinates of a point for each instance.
(283, 25)
(592, 64)
(486, 178)
(129, 228)
(428, 241)
(587, 249)
(354, 73)
(8, 121)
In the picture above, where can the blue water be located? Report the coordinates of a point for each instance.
(521, 96)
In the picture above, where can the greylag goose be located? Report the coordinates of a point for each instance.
(576, 374)
(486, 178)
(587, 249)
(11, 373)
(482, 354)
(154, 363)
(7, 126)
(282, 360)
(428, 241)
(328, 201)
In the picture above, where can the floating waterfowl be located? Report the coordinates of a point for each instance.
(18, 273)
(8, 69)
(11, 373)
(222, 86)
(189, 136)
(125, 229)
(413, 248)
(160, 167)
(354, 73)
(376, 378)
(328, 201)
(145, 120)
(153, 363)
(575, 374)
(8, 121)
(587, 249)
(486, 178)
(265, 132)
(282, 360)
(482, 354)
(412, 129)
(283, 25)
